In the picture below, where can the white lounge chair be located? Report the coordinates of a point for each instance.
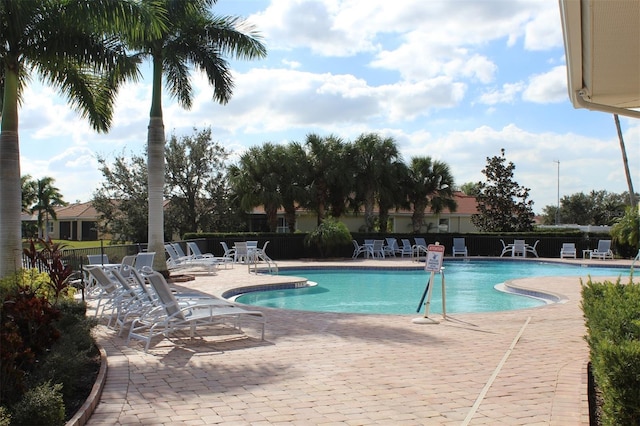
(568, 250)
(178, 261)
(195, 254)
(169, 316)
(144, 261)
(459, 247)
(603, 251)
(98, 259)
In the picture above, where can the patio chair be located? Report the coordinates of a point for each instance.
(407, 248)
(195, 253)
(391, 248)
(420, 247)
(97, 259)
(532, 248)
(506, 248)
(378, 248)
(358, 250)
(459, 247)
(568, 250)
(603, 251)
(229, 253)
(144, 261)
(177, 261)
(519, 248)
(169, 316)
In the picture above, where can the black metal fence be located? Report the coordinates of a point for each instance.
(291, 246)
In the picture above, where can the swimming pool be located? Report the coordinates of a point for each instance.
(469, 288)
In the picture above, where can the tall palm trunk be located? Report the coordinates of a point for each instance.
(155, 170)
(10, 186)
(625, 161)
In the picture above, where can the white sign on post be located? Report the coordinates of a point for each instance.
(435, 255)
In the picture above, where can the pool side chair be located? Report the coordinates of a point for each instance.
(532, 249)
(378, 249)
(568, 250)
(176, 261)
(170, 316)
(459, 247)
(229, 253)
(195, 253)
(144, 261)
(519, 248)
(358, 250)
(603, 251)
(419, 248)
(506, 248)
(407, 248)
(98, 259)
(391, 246)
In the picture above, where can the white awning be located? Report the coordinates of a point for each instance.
(602, 47)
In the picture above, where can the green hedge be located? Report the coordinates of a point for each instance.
(612, 318)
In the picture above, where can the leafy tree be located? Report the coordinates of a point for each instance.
(502, 202)
(121, 199)
(294, 180)
(391, 192)
(429, 183)
(256, 181)
(72, 46)
(193, 38)
(625, 231)
(470, 188)
(196, 182)
(47, 198)
(329, 174)
(594, 208)
(373, 159)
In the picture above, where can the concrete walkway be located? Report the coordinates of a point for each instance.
(524, 367)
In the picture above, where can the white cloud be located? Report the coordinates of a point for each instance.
(547, 87)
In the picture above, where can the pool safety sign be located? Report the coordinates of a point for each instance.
(435, 254)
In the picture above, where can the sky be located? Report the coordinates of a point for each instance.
(455, 80)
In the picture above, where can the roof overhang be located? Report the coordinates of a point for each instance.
(602, 47)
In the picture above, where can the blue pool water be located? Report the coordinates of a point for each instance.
(469, 288)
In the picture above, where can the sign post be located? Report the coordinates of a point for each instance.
(433, 264)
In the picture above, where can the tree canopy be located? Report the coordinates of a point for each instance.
(502, 203)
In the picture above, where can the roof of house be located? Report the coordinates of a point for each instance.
(76, 211)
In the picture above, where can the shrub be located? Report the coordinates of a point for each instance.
(328, 237)
(612, 317)
(41, 405)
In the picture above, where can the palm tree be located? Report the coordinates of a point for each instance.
(625, 161)
(292, 165)
(429, 182)
(47, 198)
(73, 46)
(329, 174)
(193, 38)
(255, 180)
(373, 159)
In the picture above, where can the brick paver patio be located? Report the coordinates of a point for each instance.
(525, 367)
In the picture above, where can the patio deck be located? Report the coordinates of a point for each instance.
(525, 367)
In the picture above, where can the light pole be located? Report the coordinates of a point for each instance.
(558, 205)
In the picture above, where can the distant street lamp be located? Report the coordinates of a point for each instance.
(558, 205)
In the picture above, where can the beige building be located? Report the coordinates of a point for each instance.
(78, 221)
